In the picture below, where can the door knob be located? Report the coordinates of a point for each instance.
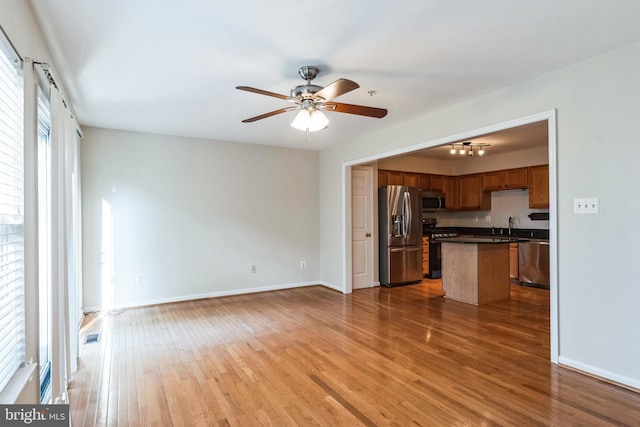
(367, 235)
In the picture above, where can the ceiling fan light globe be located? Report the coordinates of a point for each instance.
(311, 120)
(318, 121)
(302, 120)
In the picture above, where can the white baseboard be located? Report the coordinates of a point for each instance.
(626, 381)
(331, 286)
(214, 295)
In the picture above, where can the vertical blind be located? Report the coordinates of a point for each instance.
(12, 332)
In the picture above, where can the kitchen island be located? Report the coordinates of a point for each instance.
(475, 270)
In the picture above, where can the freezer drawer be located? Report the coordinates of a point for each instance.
(404, 266)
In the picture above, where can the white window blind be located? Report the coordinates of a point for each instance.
(12, 332)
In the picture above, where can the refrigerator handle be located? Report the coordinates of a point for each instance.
(407, 215)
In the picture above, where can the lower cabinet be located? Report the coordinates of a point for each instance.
(513, 261)
(425, 255)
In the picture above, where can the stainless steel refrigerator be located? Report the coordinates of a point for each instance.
(400, 235)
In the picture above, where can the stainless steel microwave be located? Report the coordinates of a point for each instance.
(432, 201)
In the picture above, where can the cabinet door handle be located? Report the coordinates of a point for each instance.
(367, 235)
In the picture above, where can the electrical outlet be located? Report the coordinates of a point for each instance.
(139, 278)
(303, 264)
(487, 218)
(253, 269)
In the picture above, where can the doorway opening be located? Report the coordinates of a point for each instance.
(548, 118)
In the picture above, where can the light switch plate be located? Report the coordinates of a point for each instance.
(593, 205)
(586, 205)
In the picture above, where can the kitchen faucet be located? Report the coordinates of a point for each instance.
(510, 224)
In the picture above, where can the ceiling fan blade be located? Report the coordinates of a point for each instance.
(360, 110)
(265, 92)
(335, 89)
(269, 114)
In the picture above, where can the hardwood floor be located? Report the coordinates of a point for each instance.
(312, 356)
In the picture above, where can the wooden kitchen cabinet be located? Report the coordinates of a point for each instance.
(410, 179)
(437, 183)
(516, 179)
(539, 187)
(425, 255)
(382, 177)
(492, 181)
(472, 192)
(448, 189)
(509, 179)
(470, 195)
(513, 261)
(424, 182)
(445, 184)
(395, 178)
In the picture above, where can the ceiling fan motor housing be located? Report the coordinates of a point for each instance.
(305, 91)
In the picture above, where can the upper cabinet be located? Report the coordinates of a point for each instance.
(424, 182)
(410, 179)
(509, 179)
(516, 179)
(473, 192)
(438, 183)
(470, 194)
(539, 187)
(382, 177)
(449, 190)
(492, 181)
(395, 178)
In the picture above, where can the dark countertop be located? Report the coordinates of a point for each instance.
(477, 240)
(496, 232)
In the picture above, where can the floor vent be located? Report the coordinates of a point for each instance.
(91, 338)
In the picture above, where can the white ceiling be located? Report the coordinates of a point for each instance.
(171, 67)
(525, 137)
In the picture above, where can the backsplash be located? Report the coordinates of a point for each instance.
(504, 204)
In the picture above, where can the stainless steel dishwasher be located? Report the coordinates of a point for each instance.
(533, 263)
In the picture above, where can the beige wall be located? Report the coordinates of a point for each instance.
(193, 215)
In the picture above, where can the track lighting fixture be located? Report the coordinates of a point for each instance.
(468, 148)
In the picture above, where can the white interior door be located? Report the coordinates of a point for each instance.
(362, 227)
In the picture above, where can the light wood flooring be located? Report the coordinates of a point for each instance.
(403, 356)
